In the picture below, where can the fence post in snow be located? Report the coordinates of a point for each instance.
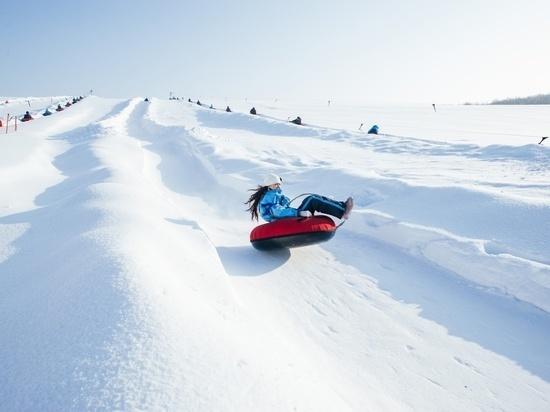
(8, 118)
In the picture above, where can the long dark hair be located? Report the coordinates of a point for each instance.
(254, 200)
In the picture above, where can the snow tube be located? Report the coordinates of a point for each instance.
(292, 232)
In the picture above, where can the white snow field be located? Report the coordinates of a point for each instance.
(127, 280)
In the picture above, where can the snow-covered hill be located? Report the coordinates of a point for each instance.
(127, 280)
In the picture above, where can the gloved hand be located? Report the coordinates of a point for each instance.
(305, 213)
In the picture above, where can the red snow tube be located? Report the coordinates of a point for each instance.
(292, 232)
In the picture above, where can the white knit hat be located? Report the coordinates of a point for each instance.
(272, 179)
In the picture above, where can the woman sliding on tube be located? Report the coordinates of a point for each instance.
(269, 200)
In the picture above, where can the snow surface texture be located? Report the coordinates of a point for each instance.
(127, 280)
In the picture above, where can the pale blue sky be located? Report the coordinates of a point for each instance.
(393, 51)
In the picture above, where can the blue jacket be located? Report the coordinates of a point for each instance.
(274, 205)
(373, 130)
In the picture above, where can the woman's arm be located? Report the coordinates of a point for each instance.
(275, 206)
(278, 211)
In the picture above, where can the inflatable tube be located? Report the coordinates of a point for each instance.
(292, 232)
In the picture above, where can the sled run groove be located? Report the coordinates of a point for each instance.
(128, 282)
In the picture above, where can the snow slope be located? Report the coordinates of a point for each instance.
(477, 125)
(17, 106)
(127, 280)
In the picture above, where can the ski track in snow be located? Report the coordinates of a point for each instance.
(127, 280)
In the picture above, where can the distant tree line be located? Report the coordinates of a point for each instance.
(538, 99)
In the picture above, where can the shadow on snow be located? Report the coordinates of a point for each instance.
(512, 328)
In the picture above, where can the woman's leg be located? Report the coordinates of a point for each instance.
(322, 204)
